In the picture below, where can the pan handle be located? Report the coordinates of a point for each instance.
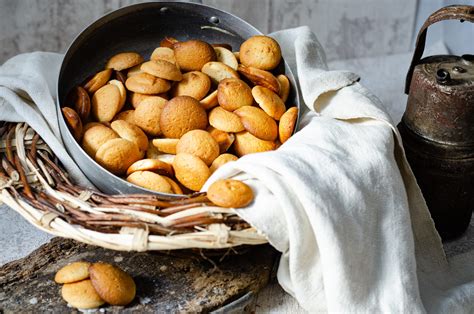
(452, 12)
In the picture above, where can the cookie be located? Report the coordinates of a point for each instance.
(79, 100)
(127, 115)
(148, 113)
(95, 135)
(112, 284)
(166, 145)
(130, 132)
(210, 101)
(191, 171)
(218, 71)
(287, 124)
(230, 193)
(124, 60)
(106, 103)
(162, 69)
(174, 186)
(168, 42)
(261, 52)
(181, 115)
(245, 143)
(260, 77)
(136, 98)
(168, 158)
(195, 84)
(153, 165)
(73, 121)
(151, 181)
(226, 56)
(233, 93)
(258, 123)
(224, 120)
(164, 53)
(122, 91)
(152, 152)
(117, 155)
(223, 139)
(81, 295)
(192, 55)
(145, 83)
(222, 160)
(73, 272)
(284, 87)
(97, 81)
(270, 102)
(134, 70)
(200, 144)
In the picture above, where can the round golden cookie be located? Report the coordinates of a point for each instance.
(117, 155)
(195, 84)
(81, 295)
(270, 102)
(222, 160)
(166, 145)
(97, 81)
(164, 53)
(95, 136)
(230, 193)
(260, 77)
(127, 115)
(151, 181)
(261, 52)
(226, 56)
(224, 120)
(180, 115)
(113, 285)
(162, 69)
(106, 103)
(134, 70)
(145, 83)
(245, 143)
(122, 91)
(130, 132)
(174, 186)
(200, 144)
(233, 93)
(287, 124)
(284, 87)
(153, 165)
(124, 60)
(73, 272)
(191, 55)
(191, 171)
(258, 123)
(91, 124)
(147, 115)
(222, 138)
(218, 71)
(210, 101)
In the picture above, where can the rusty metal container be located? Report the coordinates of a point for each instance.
(438, 128)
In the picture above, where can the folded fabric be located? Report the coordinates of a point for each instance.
(338, 199)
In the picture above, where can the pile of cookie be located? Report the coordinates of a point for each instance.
(168, 123)
(91, 285)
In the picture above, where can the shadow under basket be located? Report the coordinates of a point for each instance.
(33, 183)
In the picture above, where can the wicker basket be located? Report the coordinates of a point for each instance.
(33, 183)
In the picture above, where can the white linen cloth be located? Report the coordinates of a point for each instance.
(338, 199)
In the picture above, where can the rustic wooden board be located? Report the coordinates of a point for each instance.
(177, 281)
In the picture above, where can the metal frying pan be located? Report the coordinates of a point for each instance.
(140, 28)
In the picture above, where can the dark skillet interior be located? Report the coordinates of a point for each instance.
(140, 28)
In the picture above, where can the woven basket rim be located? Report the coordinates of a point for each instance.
(33, 183)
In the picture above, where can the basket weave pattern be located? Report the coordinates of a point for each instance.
(33, 183)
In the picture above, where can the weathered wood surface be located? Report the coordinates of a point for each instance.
(347, 29)
(178, 281)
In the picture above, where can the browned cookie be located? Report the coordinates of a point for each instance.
(226, 56)
(284, 87)
(210, 101)
(79, 100)
(112, 284)
(224, 120)
(233, 93)
(245, 143)
(153, 165)
(151, 181)
(230, 193)
(97, 81)
(145, 83)
(74, 122)
(222, 160)
(191, 171)
(148, 113)
(181, 115)
(261, 52)
(191, 55)
(122, 91)
(95, 135)
(287, 124)
(130, 132)
(164, 53)
(124, 61)
(127, 115)
(73, 272)
(166, 145)
(174, 186)
(218, 71)
(162, 69)
(260, 77)
(81, 295)
(106, 103)
(117, 155)
(258, 123)
(195, 84)
(270, 102)
(200, 144)
(222, 138)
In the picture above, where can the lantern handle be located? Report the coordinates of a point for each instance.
(452, 12)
